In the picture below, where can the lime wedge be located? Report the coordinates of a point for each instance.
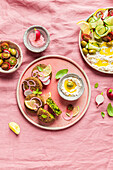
(31, 104)
(14, 127)
(109, 20)
(47, 71)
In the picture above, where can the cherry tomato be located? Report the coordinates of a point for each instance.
(99, 14)
(86, 37)
(111, 35)
(106, 38)
(110, 12)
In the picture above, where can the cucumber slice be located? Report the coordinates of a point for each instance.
(111, 28)
(109, 20)
(97, 22)
(96, 36)
(93, 43)
(101, 30)
(90, 46)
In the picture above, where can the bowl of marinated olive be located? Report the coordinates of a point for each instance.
(10, 56)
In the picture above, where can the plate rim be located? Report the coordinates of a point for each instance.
(47, 127)
(106, 72)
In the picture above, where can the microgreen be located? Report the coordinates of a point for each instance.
(102, 93)
(44, 116)
(103, 114)
(61, 73)
(39, 68)
(68, 114)
(96, 85)
(110, 90)
(110, 110)
(37, 92)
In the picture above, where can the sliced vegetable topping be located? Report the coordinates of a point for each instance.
(86, 37)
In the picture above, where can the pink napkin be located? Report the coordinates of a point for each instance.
(88, 144)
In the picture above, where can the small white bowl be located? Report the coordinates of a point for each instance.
(70, 98)
(45, 34)
(19, 60)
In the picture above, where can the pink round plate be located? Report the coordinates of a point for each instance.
(57, 62)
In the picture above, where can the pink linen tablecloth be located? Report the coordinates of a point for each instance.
(87, 145)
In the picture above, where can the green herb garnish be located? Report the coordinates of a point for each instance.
(110, 110)
(110, 90)
(96, 85)
(102, 93)
(37, 92)
(68, 114)
(103, 114)
(61, 73)
(44, 116)
(39, 68)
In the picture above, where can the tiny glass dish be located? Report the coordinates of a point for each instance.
(15, 60)
(75, 92)
(43, 34)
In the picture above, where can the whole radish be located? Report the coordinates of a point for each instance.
(110, 93)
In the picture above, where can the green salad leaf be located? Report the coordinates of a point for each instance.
(61, 73)
(39, 68)
(103, 114)
(110, 110)
(96, 85)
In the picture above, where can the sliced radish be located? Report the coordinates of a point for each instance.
(44, 79)
(6, 51)
(99, 99)
(37, 34)
(67, 117)
(17, 53)
(47, 82)
(27, 92)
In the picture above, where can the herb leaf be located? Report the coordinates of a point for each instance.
(110, 90)
(68, 114)
(39, 68)
(44, 116)
(102, 93)
(110, 110)
(61, 73)
(37, 92)
(96, 85)
(103, 114)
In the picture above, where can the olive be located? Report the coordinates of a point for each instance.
(13, 51)
(12, 61)
(5, 66)
(5, 55)
(109, 44)
(70, 84)
(92, 51)
(9, 49)
(83, 43)
(85, 51)
(1, 61)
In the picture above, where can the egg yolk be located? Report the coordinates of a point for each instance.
(105, 50)
(101, 63)
(70, 86)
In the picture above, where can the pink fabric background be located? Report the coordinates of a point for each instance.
(88, 145)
